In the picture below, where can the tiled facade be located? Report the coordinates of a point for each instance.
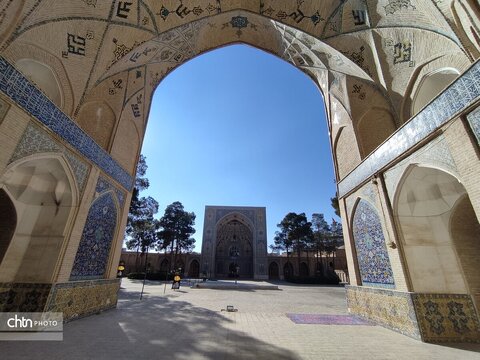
(23, 297)
(32, 100)
(474, 122)
(447, 317)
(389, 308)
(99, 231)
(373, 260)
(82, 298)
(427, 317)
(37, 141)
(460, 95)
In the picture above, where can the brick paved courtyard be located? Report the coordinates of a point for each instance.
(189, 324)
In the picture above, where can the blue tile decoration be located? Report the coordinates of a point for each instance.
(392, 309)
(446, 317)
(474, 122)
(104, 185)
(34, 141)
(461, 94)
(373, 260)
(97, 237)
(34, 102)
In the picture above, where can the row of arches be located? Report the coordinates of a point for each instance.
(287, 270)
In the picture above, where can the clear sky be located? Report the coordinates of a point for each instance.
(239, 127)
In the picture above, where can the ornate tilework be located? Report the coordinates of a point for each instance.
(23, 297)
(34, 141)
(474, 122)
(104, 185)
(97, 237)
(83, 298)
(373, 259)
(457, 97)
(34, 102)
(391, 309)
(447, 317)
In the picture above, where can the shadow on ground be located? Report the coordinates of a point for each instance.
(153, 328)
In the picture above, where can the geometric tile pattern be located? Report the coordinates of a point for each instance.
(23, 297)
(97, 237)
(34, 102)
(104, 185)
(82, 298)
(373, 260)
(447, 317)
(322, 319)
(459, 95)
(474, 122)
(34, 141)
(391, 309)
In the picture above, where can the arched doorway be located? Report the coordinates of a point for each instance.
(304, 272)
(194, 269)
(273, 273)
(234, 251)
(288, 270)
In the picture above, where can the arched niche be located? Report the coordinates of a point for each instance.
(44, 77)
(430, 86)
(99, 232)
(97, 119)
(465, 230)
(8, 222)
(373, 128)
(303, 270)
(126, 155)
(372, 255)
(273, 271)
(44, 194)
(194, 269)
(346, 152)
(288, 270)
(164, 265)
(424, 208)
(234, 245)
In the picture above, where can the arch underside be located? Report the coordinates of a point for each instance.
(357, 55)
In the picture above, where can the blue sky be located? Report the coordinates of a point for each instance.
(239, 127)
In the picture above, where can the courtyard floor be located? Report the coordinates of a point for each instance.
(189, 324)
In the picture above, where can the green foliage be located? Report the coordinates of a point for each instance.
(295, 231)
(142, 227)
(176, 229)
(335, 205)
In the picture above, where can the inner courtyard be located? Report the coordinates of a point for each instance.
(190, 324)
(400, 81)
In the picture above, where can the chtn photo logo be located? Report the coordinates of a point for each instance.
(27, 323)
